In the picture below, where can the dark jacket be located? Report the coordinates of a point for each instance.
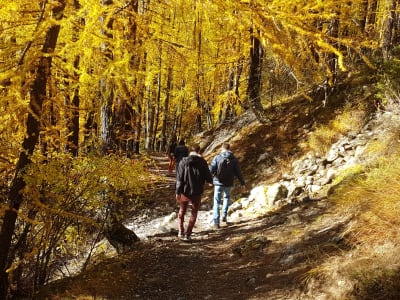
(236, 168)
(171, 149)
(180, 152)
(191, 175)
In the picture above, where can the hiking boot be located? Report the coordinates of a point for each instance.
(216, 226)
(187, 238)
(224, 220)
(180, 234)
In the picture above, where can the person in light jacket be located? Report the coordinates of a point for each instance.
(222, 191)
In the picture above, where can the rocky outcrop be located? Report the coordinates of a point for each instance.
(312, 175)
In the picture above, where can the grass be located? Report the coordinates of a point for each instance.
(371, 269)
(349, 119)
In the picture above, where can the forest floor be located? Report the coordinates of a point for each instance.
(263, 258)
(270, 257)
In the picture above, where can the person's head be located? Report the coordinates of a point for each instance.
(181, 142)
(225, 146)
(195, 148)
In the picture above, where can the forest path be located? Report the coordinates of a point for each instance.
(262, 258)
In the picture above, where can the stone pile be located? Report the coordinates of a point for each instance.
(312, 175)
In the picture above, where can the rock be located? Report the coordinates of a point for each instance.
(294, 219)
(276, 192)
(120, 237)
(258, 195)
(169, 218)
(251, 281)
(332, 155)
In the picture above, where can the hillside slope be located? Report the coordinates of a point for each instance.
(269, 257)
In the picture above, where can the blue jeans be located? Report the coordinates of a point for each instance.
(221, 193)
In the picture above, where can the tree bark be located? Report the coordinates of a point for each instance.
(166, 111)
(106, 94)
(73, 120)
(388, 31)
(15, 199)
(254, 85)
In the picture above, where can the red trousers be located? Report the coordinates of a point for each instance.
(184, 203)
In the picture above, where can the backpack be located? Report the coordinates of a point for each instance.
(225, 171)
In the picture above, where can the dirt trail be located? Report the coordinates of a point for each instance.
(263, 258)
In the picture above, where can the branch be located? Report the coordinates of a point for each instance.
(29, 44)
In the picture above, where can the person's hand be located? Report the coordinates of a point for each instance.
(243, 188)
(178, 197)
(210, 184)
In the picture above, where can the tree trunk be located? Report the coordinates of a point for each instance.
(106, 94)
(396, 27)
(254, 85)
(73, 120)
(156, 141)
(388, 31)
(198, 44)
(372, 11)
(150, 112)
(38, 94)
(106, 119)
(166, 111)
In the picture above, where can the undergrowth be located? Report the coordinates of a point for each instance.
(372, 269)
(349, 119)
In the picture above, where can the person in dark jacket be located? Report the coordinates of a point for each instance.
(192, 174)
(171, 156)
(222, 191)
(180, 152)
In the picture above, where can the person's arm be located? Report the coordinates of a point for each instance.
(238, 174)
(179, 180)
(213, 166)
(207, 173)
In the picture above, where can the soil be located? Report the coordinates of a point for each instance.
(262, 258)
(268, 257)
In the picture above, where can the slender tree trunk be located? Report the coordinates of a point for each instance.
(254, 85)
(106, 94)
(106, 119)
(180, 116)
(198, 44)
(396, 27)
(73, 120)
(388, 31)
(364, 15)
(166, 111)
(372, 11)
(15, 199)
(156, 141)
(333, 31)
(150, 112)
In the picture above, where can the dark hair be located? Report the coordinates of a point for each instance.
(226, 145)
(181, 142)
(195, 148)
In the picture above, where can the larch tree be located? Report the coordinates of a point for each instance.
(37, 96)
(121, 74)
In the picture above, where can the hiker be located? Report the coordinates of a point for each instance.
(223, 177)
(171, 157)
(180, 152)
(192, 173)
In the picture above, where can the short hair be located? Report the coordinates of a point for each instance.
(181, 142)
(195, 147)
(225, 146)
